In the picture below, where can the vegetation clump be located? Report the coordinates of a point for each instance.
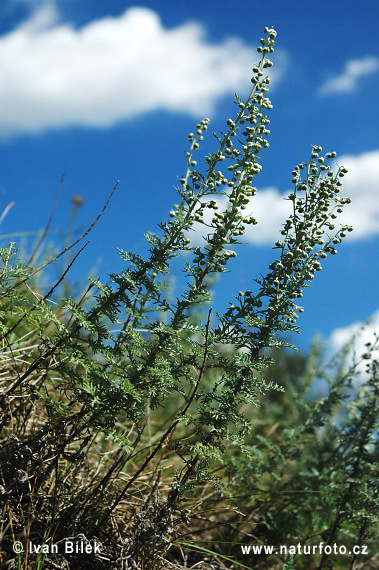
(173, 440)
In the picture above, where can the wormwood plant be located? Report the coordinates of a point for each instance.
(309, 472)
(120, 409)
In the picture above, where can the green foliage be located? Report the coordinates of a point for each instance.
(125, 414)
(310, 473)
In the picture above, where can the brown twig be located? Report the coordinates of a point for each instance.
(69, 246)
(34, 254)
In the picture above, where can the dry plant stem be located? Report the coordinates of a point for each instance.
(6, 210)
(34, 254)
(118, 462)
(36, 363)
(66, 249)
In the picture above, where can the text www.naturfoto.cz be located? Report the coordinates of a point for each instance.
(320, 548)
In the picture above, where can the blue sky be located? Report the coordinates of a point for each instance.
(108, 91)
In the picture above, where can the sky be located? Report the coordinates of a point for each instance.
(108, 91)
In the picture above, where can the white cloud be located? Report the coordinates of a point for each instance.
(355, 337)
(268, 206)
(54, 75)
(41, 18)
(361, 184)
(271, 208)
(348, 80)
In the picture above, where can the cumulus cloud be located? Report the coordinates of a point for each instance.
(271, 208)
(268, 206)
(43, 14)
(361, 184)
(114, 68)
(347, 81)
(357, 336)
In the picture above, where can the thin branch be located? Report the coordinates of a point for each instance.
(69, 246)
(34, 254)
(36, 362)
(6, 210)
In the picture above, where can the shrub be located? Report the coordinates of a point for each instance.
(135, 437)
